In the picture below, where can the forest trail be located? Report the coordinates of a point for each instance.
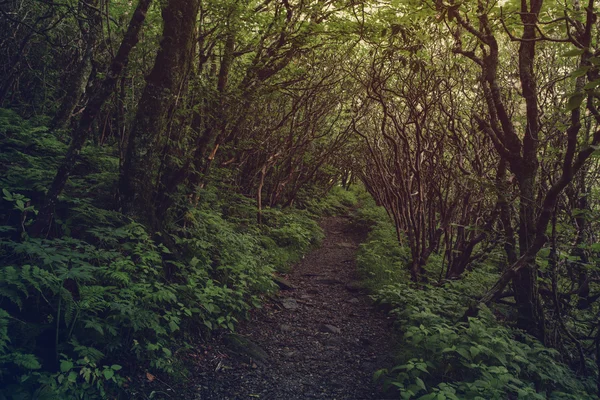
(321, 340)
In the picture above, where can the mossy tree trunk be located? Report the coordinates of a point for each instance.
(165, 84)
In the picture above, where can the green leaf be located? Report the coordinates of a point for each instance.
(463, 352)
(28, 361)
(379, 373)
(592, 85)
(116, 367)
(421, 367)
(575, 101)
(474, 351)
(66, 366)
(72, 377)
(580, 71)
(108, 373)
(86, 373)
(573, 53)
(595, 60)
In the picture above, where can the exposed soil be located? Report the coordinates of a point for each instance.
(323, 339)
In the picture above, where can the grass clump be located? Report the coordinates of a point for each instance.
(338, 201)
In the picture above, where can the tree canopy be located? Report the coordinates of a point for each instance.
(132, 132)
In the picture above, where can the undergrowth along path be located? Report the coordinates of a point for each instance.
(323, 339)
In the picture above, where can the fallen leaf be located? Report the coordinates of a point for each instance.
(150, 377)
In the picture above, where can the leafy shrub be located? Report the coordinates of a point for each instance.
(286, 236)
(380, 259)
(369, 214)
(441, 357)
(478, 359)
(336, 202)
(100, 298)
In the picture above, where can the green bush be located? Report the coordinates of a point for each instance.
(479, 359)
(369, 214)
(100, 298)
(441, 357)
(338, 201)
(286, 236)
(380, 259)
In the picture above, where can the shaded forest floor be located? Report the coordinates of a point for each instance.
(321, 339)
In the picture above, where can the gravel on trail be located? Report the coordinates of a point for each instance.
(319, 338)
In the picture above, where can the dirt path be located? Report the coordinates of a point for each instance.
(322, 340)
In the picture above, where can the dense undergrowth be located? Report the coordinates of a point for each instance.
(100, 299)
(441, 356)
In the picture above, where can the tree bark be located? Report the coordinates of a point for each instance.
(531, 313)
(206, 125)
(78, 81)
(138, 177)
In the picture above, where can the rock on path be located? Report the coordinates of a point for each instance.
(323, 339)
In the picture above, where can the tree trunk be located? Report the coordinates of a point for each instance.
(504, 209)
(139, 173)
(531, 313)
(525, 283)
(78, 81)
(583, 292)
(263, 172)
(215, 117)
